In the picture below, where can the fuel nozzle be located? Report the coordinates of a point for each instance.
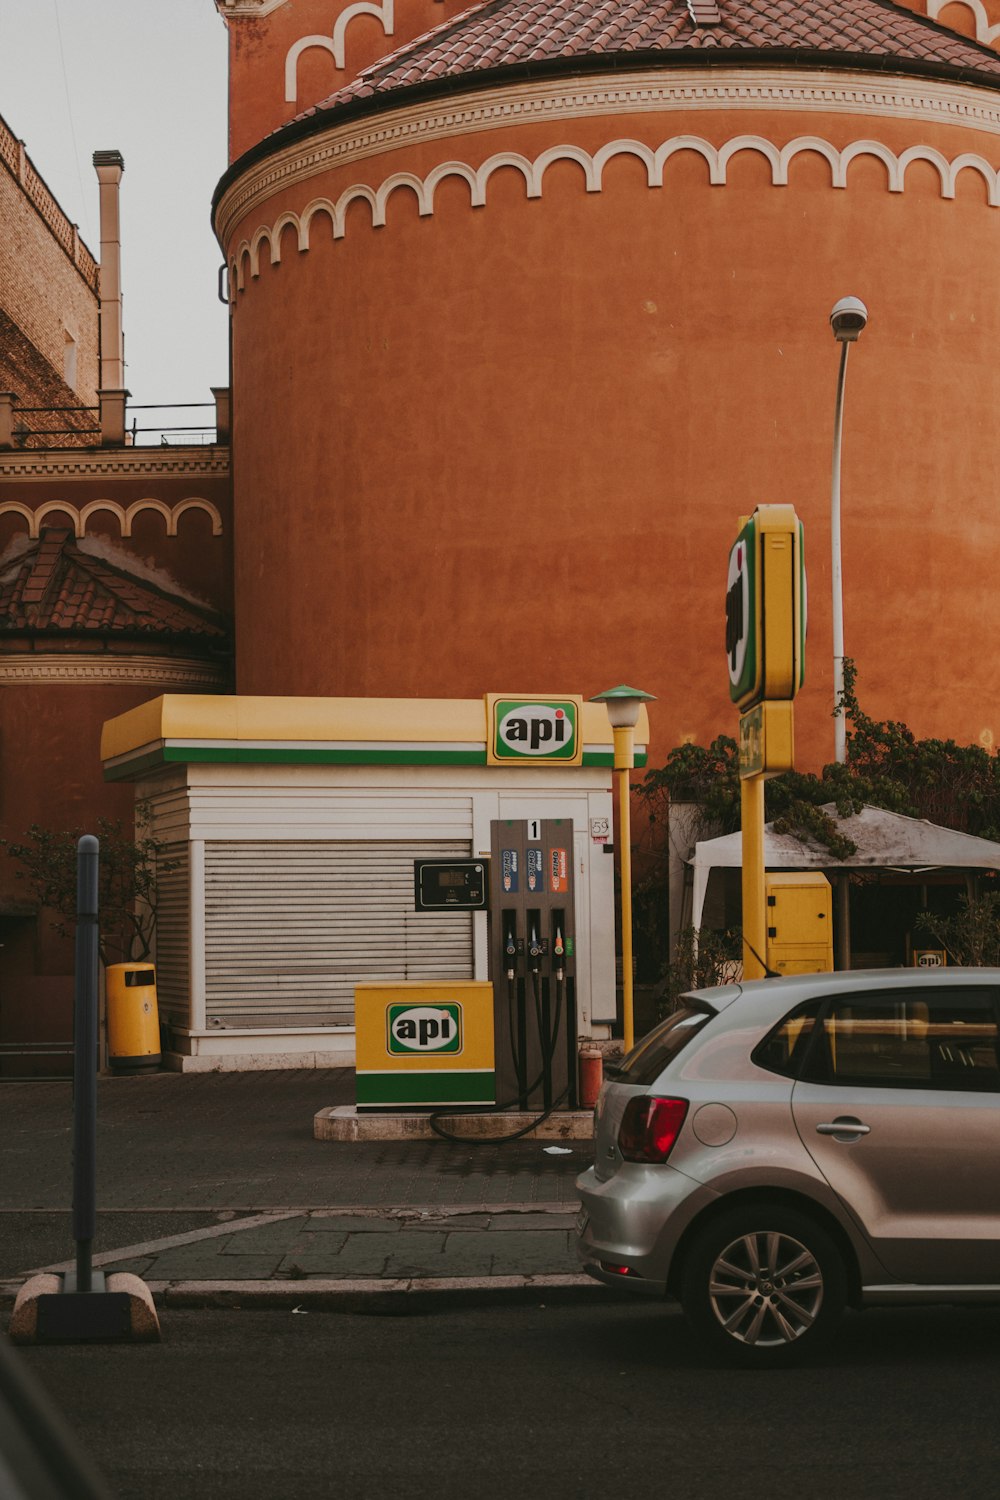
(534, 950)
(559, 953)
(510, 953)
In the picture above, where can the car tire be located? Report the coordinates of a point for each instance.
(763, 1285)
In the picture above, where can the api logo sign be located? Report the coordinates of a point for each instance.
(534, 729)
(420, 1029)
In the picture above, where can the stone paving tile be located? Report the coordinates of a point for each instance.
(367, 1255)
(324, 1247)
(171, 1267)
(263, 1236)
(535, 1256)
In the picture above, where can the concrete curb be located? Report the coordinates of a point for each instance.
(402, 1296)
(415, 1294)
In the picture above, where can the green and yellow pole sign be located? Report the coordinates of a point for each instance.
(765, 655)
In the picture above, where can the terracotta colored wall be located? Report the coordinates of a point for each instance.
(258, 47)
(515, 440)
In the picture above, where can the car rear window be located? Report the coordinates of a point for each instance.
(650, 1056)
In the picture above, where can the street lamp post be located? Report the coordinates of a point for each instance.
(623, 705)
(847, 319)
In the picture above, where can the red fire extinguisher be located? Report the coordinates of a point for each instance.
(591, 1075)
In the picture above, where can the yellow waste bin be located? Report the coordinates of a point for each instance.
(133, 1018)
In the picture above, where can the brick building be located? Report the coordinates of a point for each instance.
(49, 306)
(114, 566)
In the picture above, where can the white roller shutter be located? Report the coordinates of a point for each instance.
(292, 927)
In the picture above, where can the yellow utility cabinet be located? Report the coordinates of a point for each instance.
(133, 1017)
(799, 923)
(422, 1046)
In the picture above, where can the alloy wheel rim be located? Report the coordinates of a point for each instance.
(766, 1289)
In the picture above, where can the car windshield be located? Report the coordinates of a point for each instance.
(650, 1056)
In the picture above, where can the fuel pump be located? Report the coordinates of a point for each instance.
(532, 964)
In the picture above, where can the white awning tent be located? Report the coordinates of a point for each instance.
(885, 841)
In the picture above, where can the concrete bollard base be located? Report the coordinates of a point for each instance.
(123, 1313)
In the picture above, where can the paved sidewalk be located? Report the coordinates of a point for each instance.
(212, 1189)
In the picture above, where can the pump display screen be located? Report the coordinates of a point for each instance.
(461, 884)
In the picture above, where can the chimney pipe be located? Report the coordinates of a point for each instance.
(109, 166)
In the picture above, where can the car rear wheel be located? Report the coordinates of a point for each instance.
(763, 1285)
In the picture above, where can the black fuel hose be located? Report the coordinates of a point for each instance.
(548, 1046)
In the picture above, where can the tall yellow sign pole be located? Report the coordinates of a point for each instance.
(754, 894)
(765, 650)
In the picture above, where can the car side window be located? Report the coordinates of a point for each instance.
(945, 1039)
(784, 1049)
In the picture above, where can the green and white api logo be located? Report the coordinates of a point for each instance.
(535, 729)
(424, 1028)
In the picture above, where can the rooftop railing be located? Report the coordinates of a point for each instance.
(113, 423)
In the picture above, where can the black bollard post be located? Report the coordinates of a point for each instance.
(84, 1306)
(85, 1041)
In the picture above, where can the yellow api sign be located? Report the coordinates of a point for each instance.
(424, 1045)
(766, 607)
(528, 730)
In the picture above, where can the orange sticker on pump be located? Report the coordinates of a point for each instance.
(558, 870)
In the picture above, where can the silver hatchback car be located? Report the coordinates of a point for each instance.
(775, 1151)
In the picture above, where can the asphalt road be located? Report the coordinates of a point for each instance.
(507, 1404)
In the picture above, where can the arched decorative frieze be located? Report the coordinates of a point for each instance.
(96, 506)
(159, 507)
(304, 44)
(718, 160)
(80, 516)
(195, 502)
(985, 31)
(54, 508)
(686, 91)
(334, 44)
(14, 508)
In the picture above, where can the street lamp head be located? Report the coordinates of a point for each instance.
(623, 705)
(848, 318)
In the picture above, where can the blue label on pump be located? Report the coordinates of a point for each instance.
(508, 869)
(536, 870)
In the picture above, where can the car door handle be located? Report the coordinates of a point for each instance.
(845, 1128)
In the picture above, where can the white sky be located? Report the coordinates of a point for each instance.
(146, 78)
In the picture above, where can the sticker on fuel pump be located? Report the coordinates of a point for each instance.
(536, 870)
(508, 869)
(558, 870)
(424, 1028)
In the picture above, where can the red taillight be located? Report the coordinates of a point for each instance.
(650, 1127)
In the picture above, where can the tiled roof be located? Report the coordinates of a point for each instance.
(528, 34)
(57, 587)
